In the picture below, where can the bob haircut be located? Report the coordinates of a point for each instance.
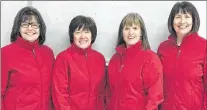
(184, 7)
(129, 20)
(25, 15)
(87, 23)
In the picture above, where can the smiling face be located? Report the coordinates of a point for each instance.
(131, 34)
(82, 38)
(29, 29)
(182, 24)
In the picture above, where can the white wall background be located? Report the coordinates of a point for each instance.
(107, 15)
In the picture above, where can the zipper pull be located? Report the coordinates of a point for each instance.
(121, 68)
(86, 55)
(178, 53)
(33, 50)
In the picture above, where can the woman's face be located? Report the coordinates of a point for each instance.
(131, 34)
(182, 24)
(82, 38)
(29, 29)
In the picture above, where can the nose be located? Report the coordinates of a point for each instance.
(30, 27)
(130, 31)
(182, 20)
(82, 35)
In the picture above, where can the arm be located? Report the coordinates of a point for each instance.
(153, 81)
(4, 78)
(102, 93)
(107, 86)
(53, 60)
(60, 95)
(205, 80)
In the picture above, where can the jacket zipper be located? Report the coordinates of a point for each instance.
(178, 54)
(86, 58)
(34, 54)
(122, 65)
(177, 58)
(120, 70)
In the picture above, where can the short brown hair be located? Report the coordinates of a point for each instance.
(84, 22)
(184, 7)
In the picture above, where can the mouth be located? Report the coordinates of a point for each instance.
(183, 26)
(83, 41)
(131, 37)
(30, 33)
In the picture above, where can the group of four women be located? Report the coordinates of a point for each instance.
(136, 77)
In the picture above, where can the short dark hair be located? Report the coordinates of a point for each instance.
(87, 23)
(23, 15)
(130, 19)
(184, 7)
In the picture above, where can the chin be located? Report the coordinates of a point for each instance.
(132, 43)
(83, 47)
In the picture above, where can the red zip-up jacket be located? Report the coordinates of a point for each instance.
(135, 79)
(78, 79)
(184, 68)
(26, 70)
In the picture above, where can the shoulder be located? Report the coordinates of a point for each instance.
(7, 49)
(63, 54)
(115, 57)
(46, 48)
(98, 54)
(151, 56)
(164, 44)
(200, 40)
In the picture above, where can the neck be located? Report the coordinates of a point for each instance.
(179, 39)
(127, 46)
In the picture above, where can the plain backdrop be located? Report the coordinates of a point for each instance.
(107, 15)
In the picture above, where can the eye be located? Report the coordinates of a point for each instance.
(126, 28)
(177, 17)
(135, 28)
(24, 24)
(77, 32)
(187, 16)
(35, 25)
(87, 31)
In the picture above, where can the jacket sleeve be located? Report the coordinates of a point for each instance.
(107, 86)
(102, 94)
(205, 80)
(53, 60)
(153, 82)
(60, 79)
(4, 78)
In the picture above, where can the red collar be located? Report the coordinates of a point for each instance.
(75, 48)
(26, 44)
(131, 50)
(187, 38)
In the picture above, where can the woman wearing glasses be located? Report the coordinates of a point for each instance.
(26, 65)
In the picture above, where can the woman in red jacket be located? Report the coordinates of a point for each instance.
(79, 71)
(26, 65)
(134, 71)
(183, 57)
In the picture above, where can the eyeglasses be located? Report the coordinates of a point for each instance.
(33, 25)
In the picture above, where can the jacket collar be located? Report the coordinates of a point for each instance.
(131, 50)
(26, 44)
(75, 48)
(186, 39)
